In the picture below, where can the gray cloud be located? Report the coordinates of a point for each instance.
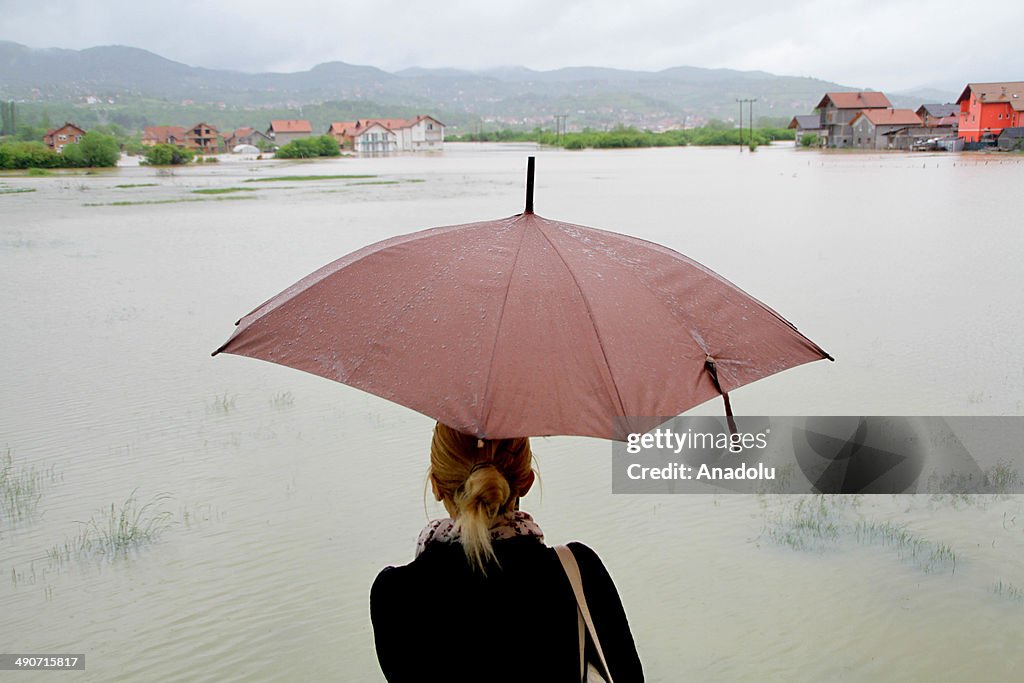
(884, 44)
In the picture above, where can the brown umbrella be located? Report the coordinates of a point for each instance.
(524, 326)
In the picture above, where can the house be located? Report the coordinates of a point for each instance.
(163, 135)
(838, 109)
(874, 128)
(364, 136)
(421, 134)
(1012, 138)
(283, 131)
(807, 125)
(987, 108)
(247, 136)
(68, 134)
(202, 138)
(938, 115)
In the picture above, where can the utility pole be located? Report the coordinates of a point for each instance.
(751, 101)
(559, 126)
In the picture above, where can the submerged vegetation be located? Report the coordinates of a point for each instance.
(817, 522)
(115, 530)
(714, 134)
(287, 178)
(20, 488)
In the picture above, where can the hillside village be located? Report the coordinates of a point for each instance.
(985, 115)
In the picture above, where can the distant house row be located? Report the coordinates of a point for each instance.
(365, 136)
(984, 114)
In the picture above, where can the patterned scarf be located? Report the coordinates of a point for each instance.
(508, 525)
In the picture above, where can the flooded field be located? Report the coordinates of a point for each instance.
(174, 516)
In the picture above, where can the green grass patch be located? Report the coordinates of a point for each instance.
(123, 187)
(37, 172)
(287, 178)
(167, 201)
(223, 190)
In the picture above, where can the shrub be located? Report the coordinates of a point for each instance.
(166, 155)
(94, 149)
(28, 155)
(308, 148)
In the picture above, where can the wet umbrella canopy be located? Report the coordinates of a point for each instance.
(524, 326)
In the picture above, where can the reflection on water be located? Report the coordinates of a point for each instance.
(287, 493)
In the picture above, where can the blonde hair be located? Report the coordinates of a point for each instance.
(483, 479)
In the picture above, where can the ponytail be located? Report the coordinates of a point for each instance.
(482, 479)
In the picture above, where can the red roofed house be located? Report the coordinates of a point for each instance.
(987, 108)
(163, 135)
(838, 109)
(366, 136)
(283, 131)
(382, 136)
(68, 134)
(875, 128)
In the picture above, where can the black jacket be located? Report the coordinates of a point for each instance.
(439, 619)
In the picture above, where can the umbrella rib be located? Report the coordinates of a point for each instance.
(497, 332)
(593, 323)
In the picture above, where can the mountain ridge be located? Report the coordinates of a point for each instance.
(509, 95)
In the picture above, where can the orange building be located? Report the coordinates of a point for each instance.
(68, 134)
(987, 108)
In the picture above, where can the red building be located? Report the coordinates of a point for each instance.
(987, 108)
(68, 134)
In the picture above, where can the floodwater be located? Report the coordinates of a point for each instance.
(282, 494)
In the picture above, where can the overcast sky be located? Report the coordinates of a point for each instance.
(890, 45)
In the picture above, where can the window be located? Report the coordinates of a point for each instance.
(62, 138)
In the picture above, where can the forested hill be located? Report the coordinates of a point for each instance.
(516, 96)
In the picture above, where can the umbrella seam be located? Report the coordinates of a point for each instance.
(486, 413)
(590, 315)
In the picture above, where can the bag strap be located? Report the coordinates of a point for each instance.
(572, 570)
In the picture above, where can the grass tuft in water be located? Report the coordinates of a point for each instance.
(114, 531)
(284, 399)
(1009, 591)
(16, 190)
(128, 185)
(21, 488)
(222, 403)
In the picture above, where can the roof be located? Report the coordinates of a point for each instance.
(890, 117)
(937, 110)
(203, 124)
(291, 126)
(67, 124)
(1017, 132)
(806, 122)
(340, 127)
(162, 132)
(1011, 92)
(242, 132)
(855, 100)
